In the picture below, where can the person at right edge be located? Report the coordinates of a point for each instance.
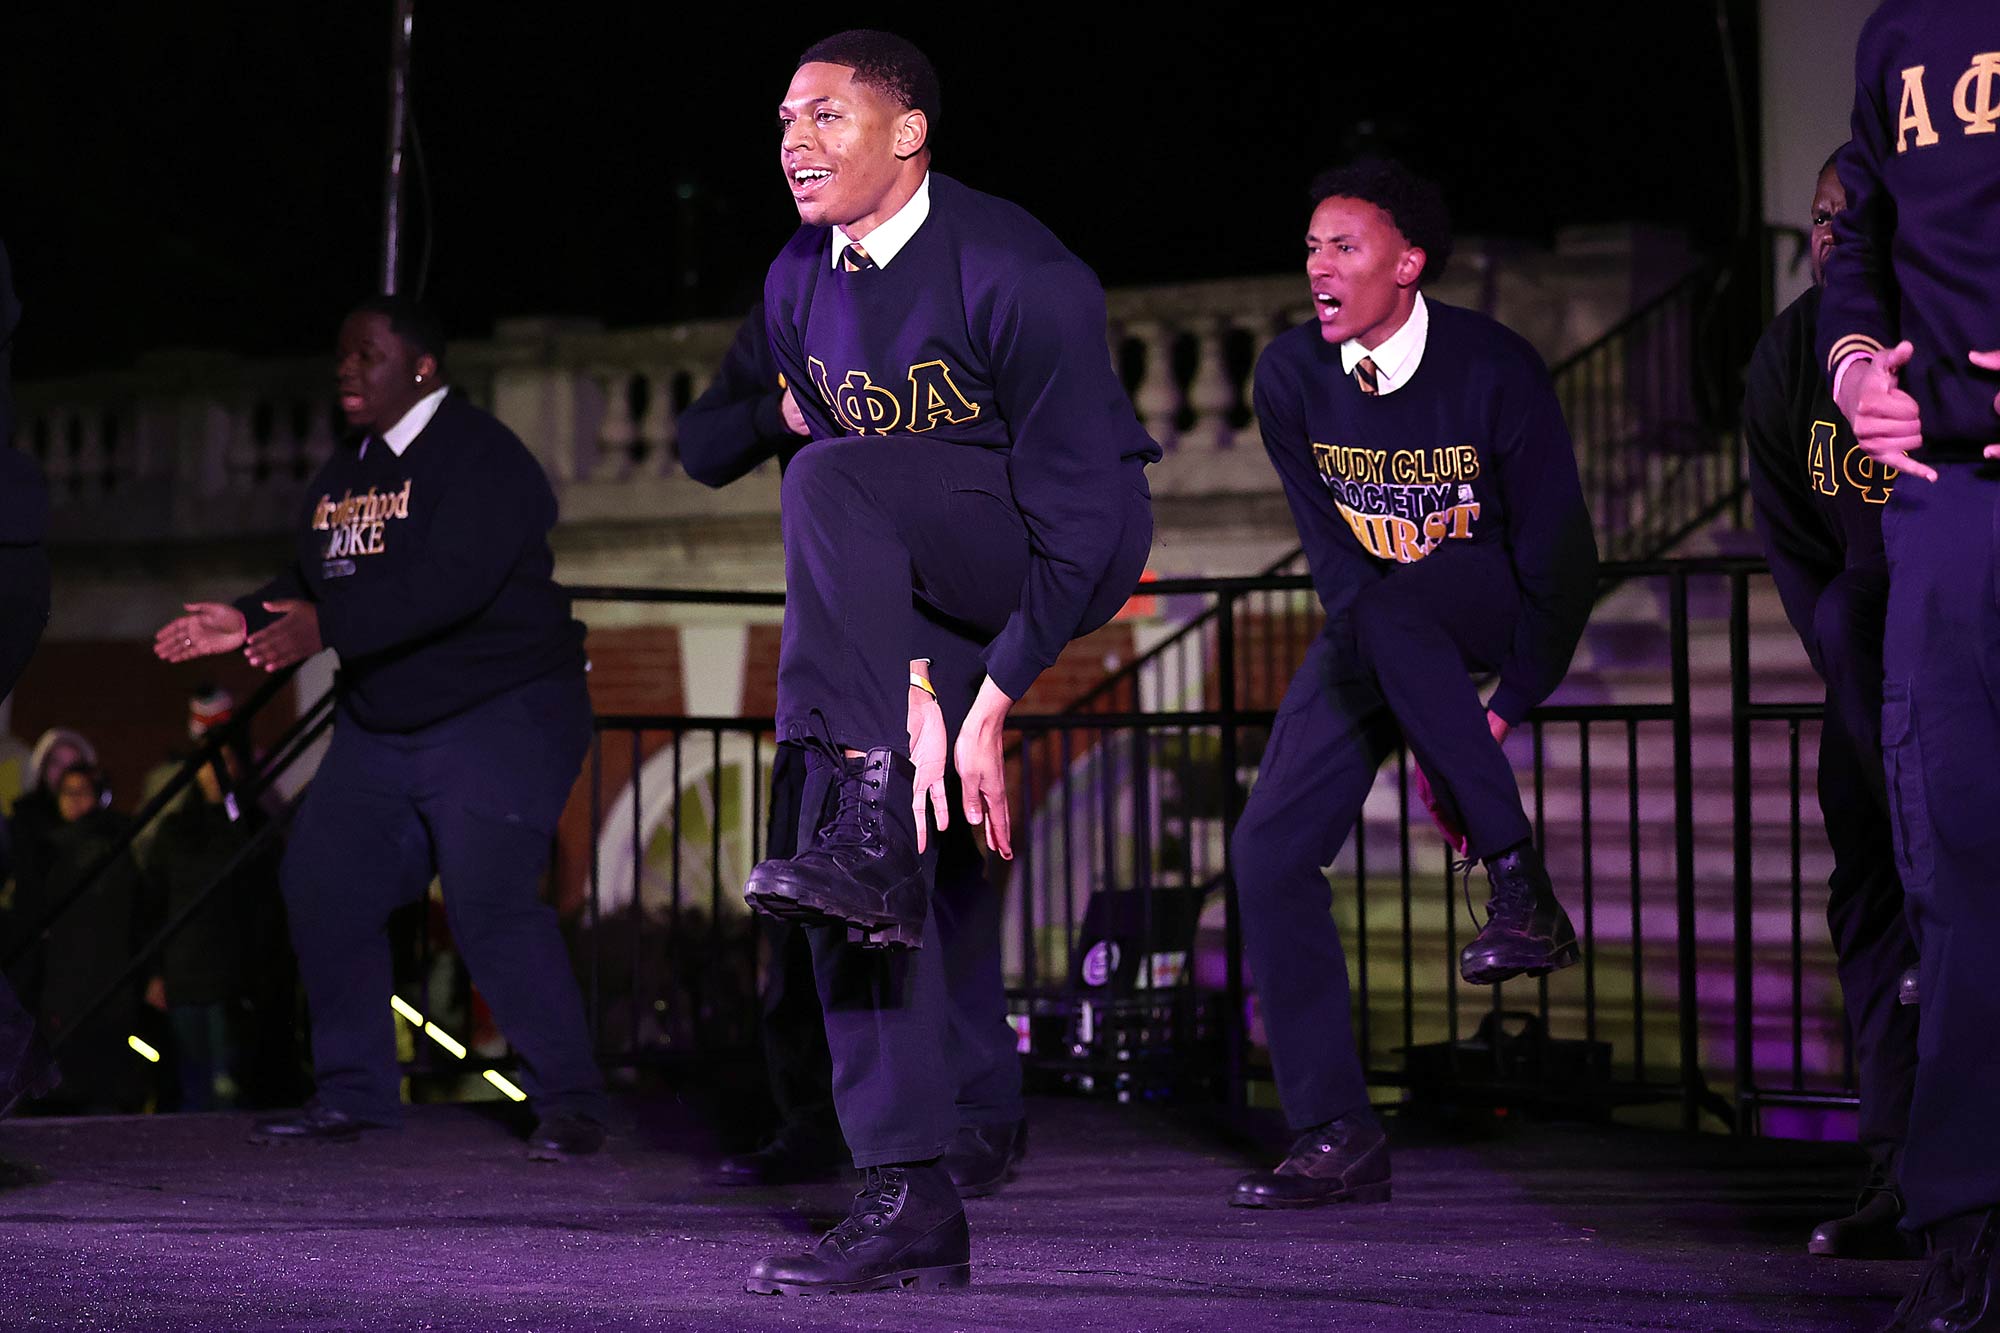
(1818, 501)
(1426, 462)
(1909, 336)
(25, 1068)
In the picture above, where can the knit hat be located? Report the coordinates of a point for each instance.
(209, 707)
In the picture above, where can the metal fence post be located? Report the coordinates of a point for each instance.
(1745, 924)
(1236, 1037)
(1690, 1035)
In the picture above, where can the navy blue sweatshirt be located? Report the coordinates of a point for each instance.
(1917, 251)
(1818, 497)
(738, 421)
(24, 496)
(432, 572)
(1472, 449)
(985, 333)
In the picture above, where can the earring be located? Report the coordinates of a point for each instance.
(420, 379)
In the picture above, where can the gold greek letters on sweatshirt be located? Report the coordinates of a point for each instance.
(1974, 97)
(867, 408)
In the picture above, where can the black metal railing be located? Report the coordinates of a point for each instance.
(1652, 405)
(1666, 795)
(1123, 949)
(1792, 1079)
(1421, 1001)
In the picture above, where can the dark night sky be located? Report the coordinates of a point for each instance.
(209, 175)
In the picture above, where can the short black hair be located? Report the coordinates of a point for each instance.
(411, 320)
(1413, 202)
(1831, 158)
(885, 62)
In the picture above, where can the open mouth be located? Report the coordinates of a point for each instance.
(807, 181)
(1326, 305)
(351, 403)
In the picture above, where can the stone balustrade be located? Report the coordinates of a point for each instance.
(197, 447)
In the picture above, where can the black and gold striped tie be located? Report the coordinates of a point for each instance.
(855, 259)
(1365, 375)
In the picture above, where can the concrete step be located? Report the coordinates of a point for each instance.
(1610, 855)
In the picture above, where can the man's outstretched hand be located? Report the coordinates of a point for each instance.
(982, 767)
(292, 637)
(1445, 819)
(1886, 421)
(208, 627)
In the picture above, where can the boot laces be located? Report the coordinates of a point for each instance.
(874, 1205)
(1511, 900)
(1462, 872)
(857, 804)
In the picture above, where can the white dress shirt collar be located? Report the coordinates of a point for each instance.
(887, 241)
(1400, 353)
(399, 436)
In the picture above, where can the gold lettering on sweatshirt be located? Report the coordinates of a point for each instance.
(357, 525)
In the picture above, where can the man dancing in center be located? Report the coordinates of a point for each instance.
(973, 452)
(1425, 460)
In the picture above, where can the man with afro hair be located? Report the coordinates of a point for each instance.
(1426, 462)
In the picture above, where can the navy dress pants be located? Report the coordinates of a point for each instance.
(873, 522)
(919, 1043)
(797, 1064)
(1940, 736)
(985, 1066)
(884, 535)
(1864, 905)
(472, 800)
(1401, 659)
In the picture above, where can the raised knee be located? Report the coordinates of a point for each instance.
(818, 471)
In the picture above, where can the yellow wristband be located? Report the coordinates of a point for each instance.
(923, 683)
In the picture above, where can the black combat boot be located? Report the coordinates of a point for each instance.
(1342, 1161)
(1526, 929)
(905, 1230)
(862, 869)
(1959, 1291)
